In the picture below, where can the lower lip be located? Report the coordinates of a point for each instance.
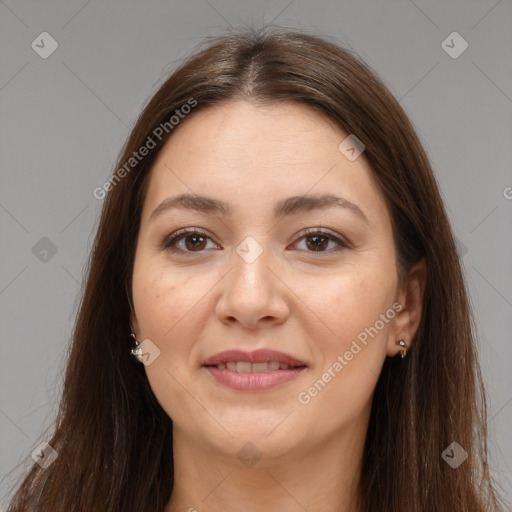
(254, 381)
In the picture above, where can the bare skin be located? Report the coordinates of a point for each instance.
(204, 298)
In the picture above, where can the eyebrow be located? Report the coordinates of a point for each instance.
(289, 206)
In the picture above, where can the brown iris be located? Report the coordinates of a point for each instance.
(316, 245)
(195, 245)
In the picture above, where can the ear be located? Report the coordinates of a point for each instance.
(410, 297)
(135, 325)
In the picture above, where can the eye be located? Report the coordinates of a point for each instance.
(317, 240)
(194, 241)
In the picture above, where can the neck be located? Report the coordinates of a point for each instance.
(315, 476)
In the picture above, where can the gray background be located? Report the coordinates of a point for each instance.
(65, 118)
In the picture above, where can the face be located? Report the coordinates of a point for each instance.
(315, 283)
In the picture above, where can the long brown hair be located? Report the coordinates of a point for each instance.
(114, 440)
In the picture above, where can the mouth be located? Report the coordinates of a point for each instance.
(248, 367)
(253, 371)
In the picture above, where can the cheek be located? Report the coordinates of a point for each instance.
(164, 297)
(350, 358)
(167, 302)
(353, 300)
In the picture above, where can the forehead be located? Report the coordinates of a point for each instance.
(253, 156)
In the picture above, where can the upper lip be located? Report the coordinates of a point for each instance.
(257, 356)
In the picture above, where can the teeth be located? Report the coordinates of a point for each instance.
(246, 367)
(273, 365)
(242, 366)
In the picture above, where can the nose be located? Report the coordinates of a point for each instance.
(253, 293)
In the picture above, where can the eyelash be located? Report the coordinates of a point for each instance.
(170, 242)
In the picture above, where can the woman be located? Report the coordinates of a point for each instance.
(274, 240)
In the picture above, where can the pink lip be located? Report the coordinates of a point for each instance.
(254, 381)
(257, 356)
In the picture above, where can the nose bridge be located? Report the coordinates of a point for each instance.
(250, 273)
(252, 291)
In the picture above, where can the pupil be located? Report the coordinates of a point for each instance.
(316, 244)
(196, 237)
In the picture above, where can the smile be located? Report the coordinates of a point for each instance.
(258, 370)
(247, 367)
(252, 377)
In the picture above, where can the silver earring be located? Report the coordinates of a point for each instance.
(404, 347)
(137, 351)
